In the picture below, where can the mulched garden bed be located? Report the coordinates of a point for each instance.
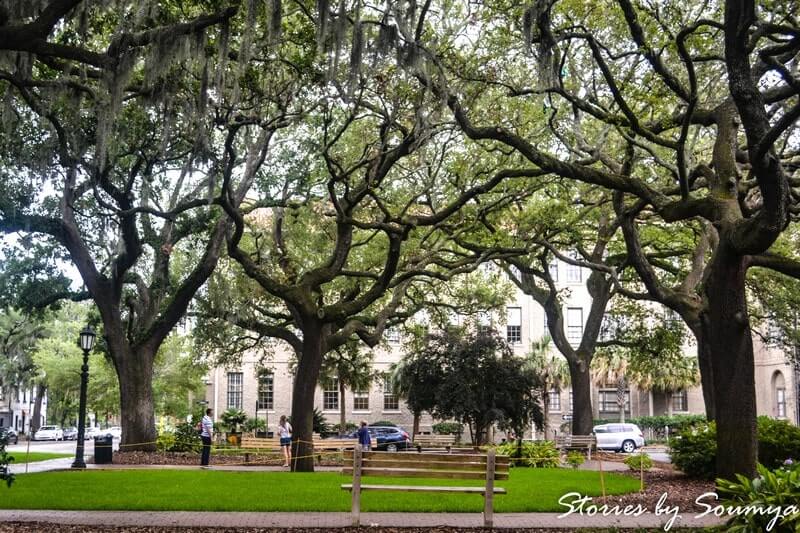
(680, 489)
(185, 458)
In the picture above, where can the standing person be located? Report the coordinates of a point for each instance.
(285, 432)
(363, 436)
(207, 429)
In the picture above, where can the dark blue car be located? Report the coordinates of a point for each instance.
(386, 438)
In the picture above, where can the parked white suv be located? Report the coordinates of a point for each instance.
(49, 433)
(619, 437)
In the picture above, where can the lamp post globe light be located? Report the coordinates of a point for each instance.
(86, 342)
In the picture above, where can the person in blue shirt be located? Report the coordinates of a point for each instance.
(363, 436)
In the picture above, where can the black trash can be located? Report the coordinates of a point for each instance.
(103, 450)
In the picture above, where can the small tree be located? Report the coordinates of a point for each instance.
(552, 372)
(5, 476)
(484, 383)
(351, 367)
(416, 379)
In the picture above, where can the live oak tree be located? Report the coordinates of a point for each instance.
(668, 92)
(126, 119)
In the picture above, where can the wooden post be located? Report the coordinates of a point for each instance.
(641, 470)
(488, 496)
(355, 509)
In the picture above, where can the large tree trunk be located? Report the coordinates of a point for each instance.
(415, 425)
(137, 407)
(582, 418)
(706, 373)
(36, 418)
(621, 386)
(731, 351)
(305, 384)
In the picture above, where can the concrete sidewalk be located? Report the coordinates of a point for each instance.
(342, 520)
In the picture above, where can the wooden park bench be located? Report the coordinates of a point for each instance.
(434, 441)
(487, 467)
(577, 442)
(274, 445)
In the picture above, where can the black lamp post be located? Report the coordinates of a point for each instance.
(86, 342)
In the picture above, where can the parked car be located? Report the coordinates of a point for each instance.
(93, 432)
(619, 437)
(71, 433)
(49, 433)
(386, 438)
(115, 432)
(9, 435)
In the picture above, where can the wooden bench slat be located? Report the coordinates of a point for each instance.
(467, 465)
(418, 472)
(422, 457)
(421, 488)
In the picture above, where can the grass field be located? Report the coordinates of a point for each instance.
(529, 490)
(34, 457)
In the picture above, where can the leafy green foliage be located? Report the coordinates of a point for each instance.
(694, 450)
(186, 438)
(232, 419)
(639, 461)
(5, 476)
(779, 488)
(575, 458)
(384, 423)
(538, 454)
(448, 428)
(464, 393)
(778, 440)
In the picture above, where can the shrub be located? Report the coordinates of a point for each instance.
(165, 440)
(349, 427)
(232, 419)
(778, 440)
(254, 424)
(448, 428)
(5, 475)
(575, 458)
(639, 461)
(694, 451)
(187, 439)
(538, 454)
(780, 488)
(384, 423)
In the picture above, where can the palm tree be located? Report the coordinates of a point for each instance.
(613, 367)
(668, 375)
(551, 370)
(351, 367)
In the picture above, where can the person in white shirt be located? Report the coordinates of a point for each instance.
(285, 433)
(207, 430)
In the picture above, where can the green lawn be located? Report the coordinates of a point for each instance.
(529, 490)
(33, 457)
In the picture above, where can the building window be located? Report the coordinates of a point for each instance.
(781, 402)
(608, 401)
(779, 386)
(361, 401)
(330, 396)
(553, 269)
(266, 391)
(680, 401)
(392, 336)
(574, 274)
(235, 390)
(514, 325)
(574, 325)
(390, 400)
(554, 399)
